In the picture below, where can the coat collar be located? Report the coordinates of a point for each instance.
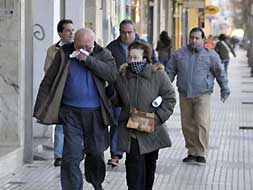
(197, 50)
(146, 73)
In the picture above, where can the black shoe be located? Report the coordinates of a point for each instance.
(114, 161)
(190, 159)
(201, 159)
(99, 187)
(57, 162)
(83, 155)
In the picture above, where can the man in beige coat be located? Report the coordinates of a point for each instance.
(65, 30)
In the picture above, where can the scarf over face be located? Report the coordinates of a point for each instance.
(136, 66)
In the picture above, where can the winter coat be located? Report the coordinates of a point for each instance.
(48, 102)
(139, 91)
(51, 51)
(164, 51)
(196, 71)
(223, 49)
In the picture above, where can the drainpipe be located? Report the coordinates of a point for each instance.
(251, 40)
(173, 35)
(150, 20)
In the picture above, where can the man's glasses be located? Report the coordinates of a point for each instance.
(126, 32)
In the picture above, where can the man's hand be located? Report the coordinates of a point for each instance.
(223, 98)
(81, 56)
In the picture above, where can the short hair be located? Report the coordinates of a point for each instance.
(85, 31)
(197, 29)
(61, 23)
(125, 22)
(164, 38)
(222, 37)
(141, 44)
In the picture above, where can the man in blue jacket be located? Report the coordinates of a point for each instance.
(196, 68)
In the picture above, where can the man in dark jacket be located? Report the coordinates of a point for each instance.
(223, 48)
(73, 92)
(119, 46)
(119, 50)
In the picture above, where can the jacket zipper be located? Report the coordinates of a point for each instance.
(137, 90)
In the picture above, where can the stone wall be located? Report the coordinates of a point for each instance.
(9, 67)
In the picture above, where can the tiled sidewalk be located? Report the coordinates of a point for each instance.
(230, 160)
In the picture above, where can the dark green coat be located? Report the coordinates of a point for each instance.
(139, 91)
(48, 102)
(223, 52)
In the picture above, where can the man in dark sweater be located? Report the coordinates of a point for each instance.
(119, 50)
(119, 46)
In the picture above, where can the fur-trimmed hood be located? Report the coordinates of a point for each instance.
(155, 67)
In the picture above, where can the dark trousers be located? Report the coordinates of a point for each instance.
(83, 129)
(140, 169)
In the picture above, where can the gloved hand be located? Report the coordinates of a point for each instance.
(109, 90)
(223, 98)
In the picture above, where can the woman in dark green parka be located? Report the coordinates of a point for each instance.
(139, 83)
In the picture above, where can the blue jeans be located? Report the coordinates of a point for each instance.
(225, 62)
(58, 141)
(114, 134)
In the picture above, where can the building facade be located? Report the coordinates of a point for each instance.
(28, 28)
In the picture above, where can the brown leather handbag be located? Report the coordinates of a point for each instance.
(141, 121)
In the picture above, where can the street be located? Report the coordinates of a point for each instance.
(230, 159)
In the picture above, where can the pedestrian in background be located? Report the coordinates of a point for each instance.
(209, 42)
(234, 42)
(223, 48)
(164, 48)
(65, 31)
(119, 50)
(196, 68)
(141, 82)
(73, 93)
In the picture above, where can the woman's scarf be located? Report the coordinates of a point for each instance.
(137, 66)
